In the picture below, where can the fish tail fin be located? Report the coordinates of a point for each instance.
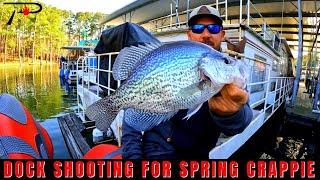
(103, 112)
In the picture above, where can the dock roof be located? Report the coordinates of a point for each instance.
(280, 15)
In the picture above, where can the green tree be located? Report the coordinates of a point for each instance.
(40, 36)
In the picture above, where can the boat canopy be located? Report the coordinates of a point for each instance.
(115, 39)
(124, 35)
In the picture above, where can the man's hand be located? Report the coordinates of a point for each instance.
(231, 100)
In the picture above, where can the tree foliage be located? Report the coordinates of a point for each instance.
(40, 36)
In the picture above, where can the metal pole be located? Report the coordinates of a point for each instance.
(315, 42)
(315, 39)
(177, 14)
(299, 60)
(267, 89)
(171, 18)
(240, 20)
(109, 73)
(316, 97)
(316, 58)
(308, 71)
(264, 29)
(226, 10)
(188, 8)
(248, 12)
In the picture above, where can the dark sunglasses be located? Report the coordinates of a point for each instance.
(212, 28)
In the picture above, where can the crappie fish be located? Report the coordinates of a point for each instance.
(162, 79)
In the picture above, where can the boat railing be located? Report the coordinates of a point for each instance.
(261, 27)
(284, 87)
(167, 22)
(89, 86)
(254, 20)
(80, 92)
(273, 97)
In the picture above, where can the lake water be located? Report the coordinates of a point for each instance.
(39, 88)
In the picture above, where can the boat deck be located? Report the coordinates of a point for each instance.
(60, 149)
(78, 135)
(301, 112)
(73, 131)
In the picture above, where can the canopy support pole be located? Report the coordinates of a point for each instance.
(299, 60)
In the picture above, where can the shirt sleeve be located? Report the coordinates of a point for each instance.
(232, 125)
(131, 142)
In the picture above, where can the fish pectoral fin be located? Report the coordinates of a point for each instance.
(129, 58)
(192, 111)
(142, 120)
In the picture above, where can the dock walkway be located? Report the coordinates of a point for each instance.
(301, 112)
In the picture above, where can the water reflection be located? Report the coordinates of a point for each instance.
(39, 88)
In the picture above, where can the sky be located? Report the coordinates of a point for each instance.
(103, 6)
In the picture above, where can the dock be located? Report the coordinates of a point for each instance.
(298, 138)
(72, 128)
(302, 112)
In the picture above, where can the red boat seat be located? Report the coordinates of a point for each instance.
(104, 151)
(21, 137)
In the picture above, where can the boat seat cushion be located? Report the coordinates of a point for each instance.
(12, 108)
(12, 145)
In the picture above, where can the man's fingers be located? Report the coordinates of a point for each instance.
(239, 95)
(232, 92)
(231, 100)
(222, 107)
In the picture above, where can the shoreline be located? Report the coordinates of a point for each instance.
(27, 63)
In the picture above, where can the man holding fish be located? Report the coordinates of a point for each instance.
(178, 97)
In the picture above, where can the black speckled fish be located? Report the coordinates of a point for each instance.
(162, 79)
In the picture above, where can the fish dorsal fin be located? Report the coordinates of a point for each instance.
(129, 58)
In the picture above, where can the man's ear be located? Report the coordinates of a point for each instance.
(223, 34)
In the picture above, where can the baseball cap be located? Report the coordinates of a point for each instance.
(204, 11)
